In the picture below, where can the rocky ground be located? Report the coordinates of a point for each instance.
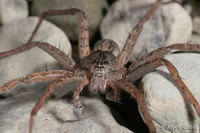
(171, 23)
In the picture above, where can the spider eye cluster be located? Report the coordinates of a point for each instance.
(102, 59)
(108, 46)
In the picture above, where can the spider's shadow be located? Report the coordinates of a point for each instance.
(126, 113)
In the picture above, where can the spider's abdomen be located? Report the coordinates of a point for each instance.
(107, 45)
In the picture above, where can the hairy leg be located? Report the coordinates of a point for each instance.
(161, 52)
(145, 68)
(130, 88)
(78, 107)
(84, 49)
(59, 55)
(36, 77)
(134, 34)
(66, 78)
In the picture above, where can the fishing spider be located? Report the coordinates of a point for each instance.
(103, 68)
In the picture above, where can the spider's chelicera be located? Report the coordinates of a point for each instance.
(103, 69)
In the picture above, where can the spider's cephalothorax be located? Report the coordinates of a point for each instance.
(102, 64)
(103, 68)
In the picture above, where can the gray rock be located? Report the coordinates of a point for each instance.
(12, 10)
(56, 116)
(93, 8)
(34, 60)
(166, 105)
(170, 24)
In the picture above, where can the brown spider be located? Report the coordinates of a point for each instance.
(101, 69)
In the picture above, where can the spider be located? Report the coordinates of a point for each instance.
(103, 68)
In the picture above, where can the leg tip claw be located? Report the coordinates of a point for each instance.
(78, 112)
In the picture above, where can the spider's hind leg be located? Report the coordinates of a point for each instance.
(148, 67)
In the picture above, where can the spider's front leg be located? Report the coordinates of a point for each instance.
(62, 75)
(66, 78)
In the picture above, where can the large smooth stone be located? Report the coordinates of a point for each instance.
(169, 24)
(169, 111)
(12, 10)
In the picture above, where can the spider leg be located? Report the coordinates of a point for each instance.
(84, 49)
(66, 78)
(145, 68)
(114, 94)
(134, 34)
(160, 52)
(130, 88)
(78, 107)
(59, 55)
(181, 85)
(36, 77)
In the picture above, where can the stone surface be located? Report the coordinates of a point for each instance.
(195, 39)
(166, 105)
(34, 60)
(56, 115)
(94, 10)
(196, 24)
(170, 24)
(12, 10)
